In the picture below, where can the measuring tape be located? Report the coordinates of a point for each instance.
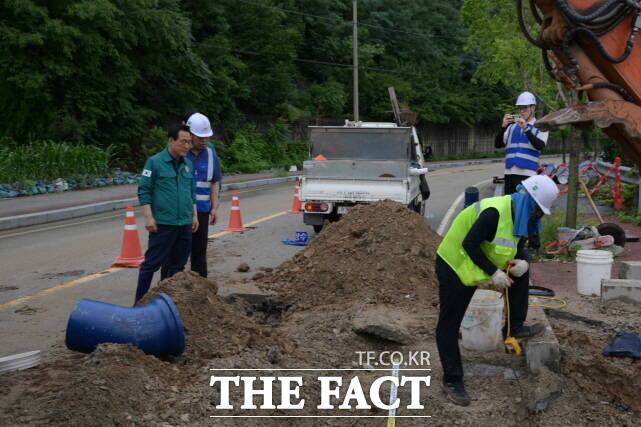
(391, 415)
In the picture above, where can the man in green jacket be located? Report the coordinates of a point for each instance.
(167, 195)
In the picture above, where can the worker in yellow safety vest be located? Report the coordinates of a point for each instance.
(484, 239)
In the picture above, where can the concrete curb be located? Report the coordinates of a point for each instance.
(44, 217)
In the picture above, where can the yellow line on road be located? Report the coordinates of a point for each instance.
(249, 224)
(59, 287)
(110, 270)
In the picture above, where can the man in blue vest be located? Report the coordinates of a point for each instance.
(523, 143)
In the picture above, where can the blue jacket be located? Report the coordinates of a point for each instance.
(518, 151)
(206, 172)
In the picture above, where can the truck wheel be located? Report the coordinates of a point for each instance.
(418, 207)
(318, 228)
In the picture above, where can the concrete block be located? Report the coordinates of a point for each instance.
(542, 351)
(622, 290)
(630, 270)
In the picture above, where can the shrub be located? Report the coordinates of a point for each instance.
(46, 160)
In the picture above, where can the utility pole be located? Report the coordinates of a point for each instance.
(355, 54)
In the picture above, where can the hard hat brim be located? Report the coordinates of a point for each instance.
(203, 135)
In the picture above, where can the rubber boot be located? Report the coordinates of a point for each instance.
(144, 281)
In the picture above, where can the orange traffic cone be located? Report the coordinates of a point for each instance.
(296, 205)
(131, 255)
(235, 221)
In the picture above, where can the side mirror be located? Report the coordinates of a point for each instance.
(427, 152)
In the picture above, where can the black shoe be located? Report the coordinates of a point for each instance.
(456, 393)
(529, 331)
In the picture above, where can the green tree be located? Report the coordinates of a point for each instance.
(95, 70)
(506, 55)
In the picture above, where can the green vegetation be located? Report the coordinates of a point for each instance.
(111, 72)
(45, 161)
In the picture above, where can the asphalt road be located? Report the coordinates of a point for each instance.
(47, 268)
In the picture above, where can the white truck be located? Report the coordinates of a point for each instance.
(361, 163)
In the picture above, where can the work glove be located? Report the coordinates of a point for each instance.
(518, 267)
(500, 280)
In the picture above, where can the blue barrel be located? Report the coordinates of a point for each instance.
(471, 196)
(155, 328)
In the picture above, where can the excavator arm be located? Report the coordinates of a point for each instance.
(590, 46)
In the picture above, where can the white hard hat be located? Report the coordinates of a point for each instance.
(199, 125)
(543, 190)
(526, 98)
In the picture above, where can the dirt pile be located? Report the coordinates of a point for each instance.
(379, 253)
(213, 328)
(111, 386)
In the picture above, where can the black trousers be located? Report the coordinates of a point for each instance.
(171, 243)
(198, 249)
(454, 297)
(511, 181)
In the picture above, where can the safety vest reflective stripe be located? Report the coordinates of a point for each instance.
(522, 156)
(504, 242)
(203, 184)
(203, 197)
(210, 164)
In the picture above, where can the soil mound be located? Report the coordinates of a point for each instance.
(107, 387)
(378, 253)
(213, 328)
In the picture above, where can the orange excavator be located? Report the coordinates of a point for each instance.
(589, 46)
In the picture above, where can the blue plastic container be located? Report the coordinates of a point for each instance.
(471, 196)
(155, 328)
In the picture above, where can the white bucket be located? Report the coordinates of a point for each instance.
(483, 322)
(591, 267)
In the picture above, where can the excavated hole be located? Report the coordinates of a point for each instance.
(264, 309)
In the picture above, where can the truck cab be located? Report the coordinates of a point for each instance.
(361, 163)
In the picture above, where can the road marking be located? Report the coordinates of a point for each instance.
(110, 271)
(59, 287)
(249, 224)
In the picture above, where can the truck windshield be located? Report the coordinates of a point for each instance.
(360, 143)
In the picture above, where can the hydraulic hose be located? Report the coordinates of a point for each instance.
(570, 35)
(524, 30)
(602, 8)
